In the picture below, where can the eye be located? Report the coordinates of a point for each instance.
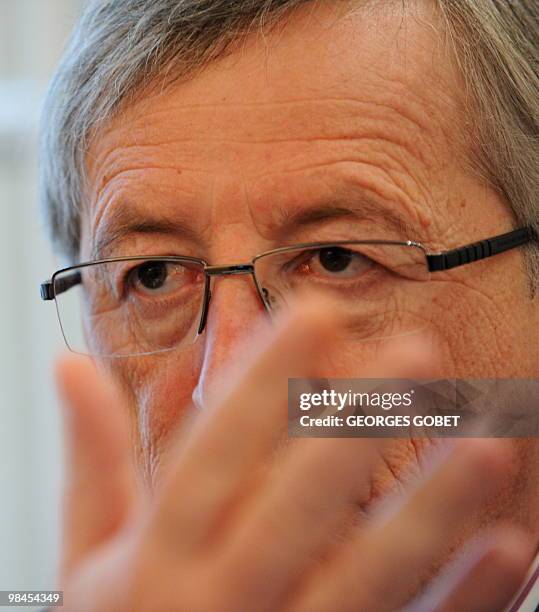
(152, 275)
(337, 262)
(161, 278)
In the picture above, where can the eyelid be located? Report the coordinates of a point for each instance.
(172, 267)
(308, 254)
(124, 276)
(300, 257)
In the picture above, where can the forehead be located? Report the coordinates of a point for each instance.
(378, 54)
(373, 86)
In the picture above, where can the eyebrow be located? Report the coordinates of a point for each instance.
(126, 222)
(360, 209)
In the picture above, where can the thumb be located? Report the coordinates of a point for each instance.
(100, 479)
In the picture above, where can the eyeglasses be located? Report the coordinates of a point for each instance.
(131, 306)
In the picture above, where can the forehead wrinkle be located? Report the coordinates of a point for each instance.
(344, 189)
(373, 150)
(109, 157)
(124, 222)
(378, 141)
(362, 120)
(352, 172)
(395, 104)
(332, 122)
(285, 107)
(131, 197)
(418, 21)
(131, 174)
(129, 179)
(398, 103)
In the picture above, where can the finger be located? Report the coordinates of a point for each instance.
(486, 578)
(100, 485)
(303, 502)
(238, 433)
(236, 436)
(401, 551)
(289, 526)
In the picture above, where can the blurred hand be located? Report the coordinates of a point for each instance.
(230, 528)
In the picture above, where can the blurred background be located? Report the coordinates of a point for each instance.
(32, 36)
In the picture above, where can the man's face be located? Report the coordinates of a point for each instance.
(285, 141)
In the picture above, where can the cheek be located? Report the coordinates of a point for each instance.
(158, 390)
(479, 335)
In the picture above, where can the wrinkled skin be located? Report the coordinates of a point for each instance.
(327, 109)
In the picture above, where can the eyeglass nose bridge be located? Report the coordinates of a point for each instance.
(230, 270)
(233, 270)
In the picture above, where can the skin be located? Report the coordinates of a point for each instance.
(231, 163)
(263, 134)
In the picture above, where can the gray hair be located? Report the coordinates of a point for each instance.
(120, 47)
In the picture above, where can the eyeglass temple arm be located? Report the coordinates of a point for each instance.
(447, 260)
(49, 289)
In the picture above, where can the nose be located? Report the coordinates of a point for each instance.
(233, 318)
